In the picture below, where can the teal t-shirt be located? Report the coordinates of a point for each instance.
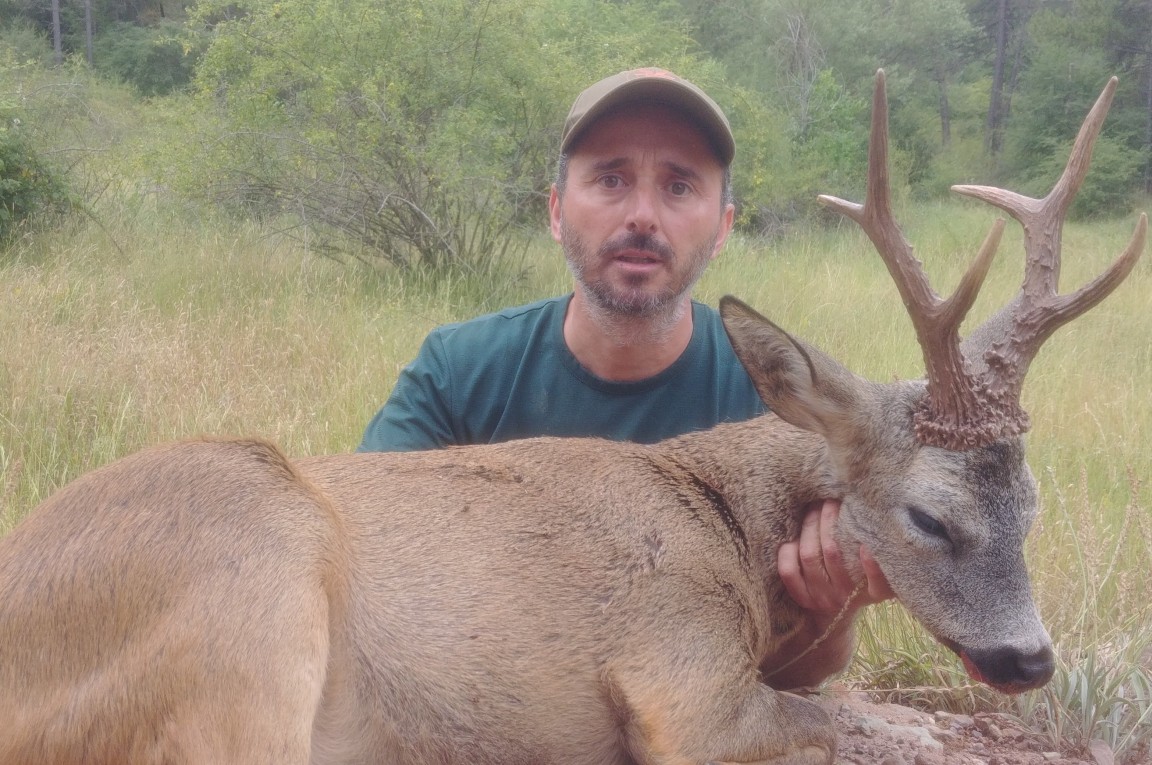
(510, 375)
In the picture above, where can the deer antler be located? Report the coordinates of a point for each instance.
(974, 390)
(1004, 346)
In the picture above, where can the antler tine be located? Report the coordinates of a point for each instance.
(1038, 214)
(1003, 347)
(952, 415)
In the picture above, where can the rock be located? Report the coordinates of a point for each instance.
(946, 736)
(989, 728)
(866, 726)
(1101, 753)
(929, 758)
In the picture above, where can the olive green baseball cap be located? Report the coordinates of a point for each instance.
(650, 85)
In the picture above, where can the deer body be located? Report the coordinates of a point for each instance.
(572, 610)
(499, 613)
(568, 601)
(542, 601)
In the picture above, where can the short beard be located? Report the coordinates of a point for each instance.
(660, 310)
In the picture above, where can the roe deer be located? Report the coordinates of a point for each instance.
(548, 600)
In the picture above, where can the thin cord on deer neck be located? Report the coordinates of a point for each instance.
(827, 631)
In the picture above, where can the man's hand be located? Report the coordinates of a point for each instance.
(812, 571)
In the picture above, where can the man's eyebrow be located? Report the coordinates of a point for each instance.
(608, 165)
(683, 170)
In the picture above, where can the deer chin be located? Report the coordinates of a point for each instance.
(973, 670)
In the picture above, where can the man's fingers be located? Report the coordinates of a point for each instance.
(878, 587)
(812, 568)
(810, 548)
(838, 575)
(791, 575)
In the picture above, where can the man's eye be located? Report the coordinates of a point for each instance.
(679, 188)
(611, 181)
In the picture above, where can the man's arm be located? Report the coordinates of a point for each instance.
(813, 572)
(417, 415)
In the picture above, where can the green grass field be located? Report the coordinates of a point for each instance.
(150, 329)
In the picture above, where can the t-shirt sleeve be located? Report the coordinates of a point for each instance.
(418, 413)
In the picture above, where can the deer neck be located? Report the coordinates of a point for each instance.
(763, 471)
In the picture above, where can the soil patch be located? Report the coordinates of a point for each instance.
(872, 733)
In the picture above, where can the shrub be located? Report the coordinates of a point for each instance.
(153, 60)
(29, 189)
(418, 134)
(1107, 189)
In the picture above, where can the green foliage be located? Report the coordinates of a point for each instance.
(29, 189)
(422, 133)
(1106, 191)
(380, 127)
(830, 150)
(153, 60)
(86, 132)
(1058, 90)
(1062, 84)
(21, 44)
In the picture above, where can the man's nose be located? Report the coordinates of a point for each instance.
(642, 215)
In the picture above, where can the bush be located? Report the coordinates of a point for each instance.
(154, 61)
(29, 189)
(1108, 187)
(21, 44)
(419, 134)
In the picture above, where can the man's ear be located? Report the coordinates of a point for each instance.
(726, 222)
(554, 212)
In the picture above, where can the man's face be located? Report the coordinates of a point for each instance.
(642, 211)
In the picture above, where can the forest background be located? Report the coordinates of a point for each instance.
(243, 217)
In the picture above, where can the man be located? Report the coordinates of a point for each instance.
(641, 204)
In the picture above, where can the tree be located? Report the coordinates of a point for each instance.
(1130, 43)
(929, 40)
(57, 47)
(1005, 25)
(30, 190)
(1064, 77)
(417, 132)
(88, 31)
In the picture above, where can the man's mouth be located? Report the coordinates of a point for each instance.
(631, 257)
(637, 251)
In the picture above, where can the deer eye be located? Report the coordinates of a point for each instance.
(928, 524)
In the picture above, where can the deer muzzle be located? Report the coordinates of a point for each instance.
(1009, 669)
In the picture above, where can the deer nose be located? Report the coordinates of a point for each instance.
(1013, 670)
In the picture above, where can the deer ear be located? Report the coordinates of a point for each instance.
(801, 384)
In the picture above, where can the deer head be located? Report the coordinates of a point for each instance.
(935, 479)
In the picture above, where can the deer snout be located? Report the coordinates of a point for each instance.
(1010, 670)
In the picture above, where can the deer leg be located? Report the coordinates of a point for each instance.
(686, 704)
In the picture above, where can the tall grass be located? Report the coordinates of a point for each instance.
(215, 327)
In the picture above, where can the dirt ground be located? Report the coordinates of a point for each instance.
(872, 733)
